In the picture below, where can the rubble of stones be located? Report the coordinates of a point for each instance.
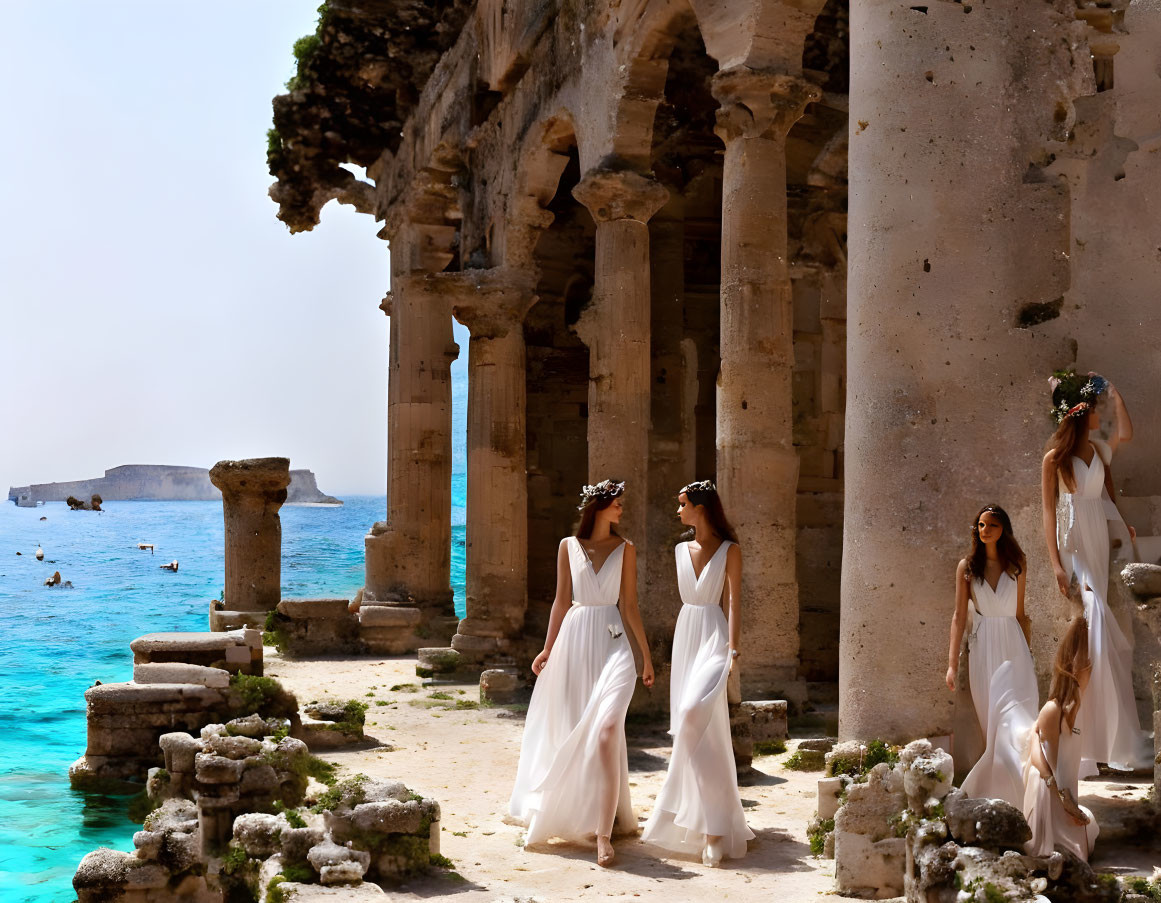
(902, 829)
(232, 823)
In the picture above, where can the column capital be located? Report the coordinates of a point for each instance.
(252, 477)
(620, 194)
(758, 103)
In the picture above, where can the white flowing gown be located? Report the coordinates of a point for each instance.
(700, 794)
(1051, 826)
(996, 638)
(583, 691)
(1110, 729)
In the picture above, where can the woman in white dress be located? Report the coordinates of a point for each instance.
(1050, 805)
(698, 809)
(573, 777)
(991, 579)
(1077, 490)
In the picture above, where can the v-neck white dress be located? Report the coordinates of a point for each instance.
(583, 691)
(1110, 730)
(700, 794)
(996, 639)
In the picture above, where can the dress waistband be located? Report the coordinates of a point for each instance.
(581, 604)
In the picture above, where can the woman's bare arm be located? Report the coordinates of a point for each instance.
(958, 623)
(1048, 481)
(631, 614)
(560, 606)
(1124, 430)
(733, 596)
(1022, 618)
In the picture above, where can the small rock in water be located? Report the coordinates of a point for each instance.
(172, 566)
(19, 553)
(44, 518)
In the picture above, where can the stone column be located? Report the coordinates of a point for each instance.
(497, 510)
(409, 555)
(615, 326)
(671, 439)
(757, 470)
(252, 492)
(954, 233)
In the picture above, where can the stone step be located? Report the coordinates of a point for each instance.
(434, 660)
(304, 609)
(236, 650)
(222, 620)
(400, 617)
(180, 673)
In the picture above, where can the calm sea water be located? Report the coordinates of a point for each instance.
(57, 641)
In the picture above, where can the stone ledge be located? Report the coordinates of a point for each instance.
(397, 616)
(179, 673)
(302, 609)
(114, 698)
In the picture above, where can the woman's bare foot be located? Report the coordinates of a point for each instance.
(605, 852)
(711, 854)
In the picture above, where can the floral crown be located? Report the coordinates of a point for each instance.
(606, 489)
(701, 486)
(1074, 395)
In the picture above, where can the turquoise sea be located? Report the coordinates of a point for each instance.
(58, 640)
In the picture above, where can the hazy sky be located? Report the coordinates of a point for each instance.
(152, 308)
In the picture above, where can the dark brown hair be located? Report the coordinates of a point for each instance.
(1065, 688)
(1065, 442)
(595, 503)
(1011, 555)
(707, 496)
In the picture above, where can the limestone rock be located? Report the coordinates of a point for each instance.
(259, 834)
(872, 806)
(179, 749)
(304, 609)
(211, 769)
(232, 747)
(329, 854)
(439, 659)
(297, 842)
(499, 685)
(389, 817)
(349, 872)
(993, 824)
(927, 774)
(1143, 579)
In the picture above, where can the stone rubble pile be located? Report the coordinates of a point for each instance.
(228, 824)
(902, 829)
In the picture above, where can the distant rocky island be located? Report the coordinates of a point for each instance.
(158, 482)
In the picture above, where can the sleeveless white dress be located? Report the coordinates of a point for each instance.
(996, 638)
(584, 690)
(1050, 824)
(1110, 729)
(700, 794)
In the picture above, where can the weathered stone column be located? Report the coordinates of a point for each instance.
(671, 438)
(252, 492)
(757, 465)
(955, 232)
(409, 555)
(615, 326)
(497, 512)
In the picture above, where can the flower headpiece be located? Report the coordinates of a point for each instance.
(701, 486)
(606, 489)
(1074, 395)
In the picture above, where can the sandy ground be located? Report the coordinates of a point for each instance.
(466, 759)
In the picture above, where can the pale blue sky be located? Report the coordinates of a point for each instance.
(152, 308)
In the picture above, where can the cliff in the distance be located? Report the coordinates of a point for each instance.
(162, 482)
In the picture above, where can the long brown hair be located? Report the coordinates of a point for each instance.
(597, 501)
(1011, 555)
(1065, 688)
(706, 494)
(1065, 443)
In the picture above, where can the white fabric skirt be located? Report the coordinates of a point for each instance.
(700, 794)
(584, 690)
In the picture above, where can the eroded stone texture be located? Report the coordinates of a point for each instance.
(952, 234)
